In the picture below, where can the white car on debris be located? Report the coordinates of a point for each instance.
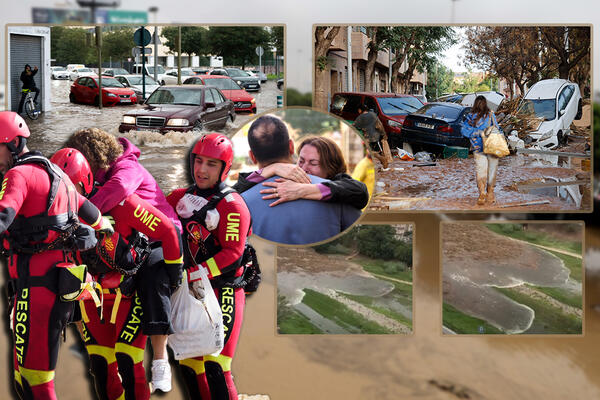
(558, 102)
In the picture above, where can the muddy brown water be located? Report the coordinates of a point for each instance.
(162, 155)
(424, 365)
(475, 260)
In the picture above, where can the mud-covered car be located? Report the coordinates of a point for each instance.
(181, 108)
(435, 125)
(558, 102)
(391, 108)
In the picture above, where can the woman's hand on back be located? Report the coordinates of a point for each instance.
(287, 171)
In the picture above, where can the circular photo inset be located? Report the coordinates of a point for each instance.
(304, 175)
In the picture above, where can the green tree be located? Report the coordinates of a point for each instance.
(309, 122)
(117, 44)
(237, 44)
(439, 80)
(276, 39)
(416, 49)
(376, 241)
(69, 46)
(194, 40)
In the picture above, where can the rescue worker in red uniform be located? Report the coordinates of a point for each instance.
(218, 247)
(115, 341)
(39, 216)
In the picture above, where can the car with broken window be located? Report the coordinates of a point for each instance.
(181, 108)
(391, 108)
(435, 125)
(557, 102)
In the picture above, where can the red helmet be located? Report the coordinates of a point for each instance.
(214, 145)
(11, 126)
(74, 164)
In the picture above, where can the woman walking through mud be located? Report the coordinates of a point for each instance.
(486, 165)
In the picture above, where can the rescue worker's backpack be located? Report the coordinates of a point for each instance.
(27, 234)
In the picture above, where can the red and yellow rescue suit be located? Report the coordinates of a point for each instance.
(39, 208)
(220, 252)
(115, 341)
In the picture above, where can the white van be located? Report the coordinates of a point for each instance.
(160, 71)
(558, 101)
(71, 67)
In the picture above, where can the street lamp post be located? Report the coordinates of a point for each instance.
(154, 11)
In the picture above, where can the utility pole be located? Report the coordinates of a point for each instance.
(349, 59)
(99, 48)
(154, 10)
(179, 55)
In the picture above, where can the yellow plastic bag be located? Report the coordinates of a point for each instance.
(494, 143)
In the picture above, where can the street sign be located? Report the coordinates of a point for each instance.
(135, 51)
(259, 51)
(142, 37)
(59, 16)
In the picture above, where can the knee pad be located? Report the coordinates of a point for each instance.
(216, 381)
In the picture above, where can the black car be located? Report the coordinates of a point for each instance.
(435, 124)
(242, 78)
(181, 108)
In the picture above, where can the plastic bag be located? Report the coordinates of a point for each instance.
(198, 324)
(404, 155)
(494, 143)
(190, 203)
(423, 156)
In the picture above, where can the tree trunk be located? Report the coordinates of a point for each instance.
(323, 40)
(371, 58)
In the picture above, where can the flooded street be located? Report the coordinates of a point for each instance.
(162, 155)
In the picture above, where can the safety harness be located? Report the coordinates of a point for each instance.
(251, 276)
(26, 235)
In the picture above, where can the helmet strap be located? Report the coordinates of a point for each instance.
(16, 150)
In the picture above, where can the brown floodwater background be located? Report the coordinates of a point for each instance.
(424, 365)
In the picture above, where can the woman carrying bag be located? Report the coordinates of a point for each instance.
(474, 127)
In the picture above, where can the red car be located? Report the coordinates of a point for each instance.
(85, 90)
(391, 108)
(242, 100)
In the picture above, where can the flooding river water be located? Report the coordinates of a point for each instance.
(162, 155)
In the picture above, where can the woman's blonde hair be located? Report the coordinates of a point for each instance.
(100, 148)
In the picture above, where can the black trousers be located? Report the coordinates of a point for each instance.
(152, 284)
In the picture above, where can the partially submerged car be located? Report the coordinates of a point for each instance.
(135, 83)
(558, 103)
(181, 108)
(85, 90)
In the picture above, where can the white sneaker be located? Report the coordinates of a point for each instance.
(161, 375)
